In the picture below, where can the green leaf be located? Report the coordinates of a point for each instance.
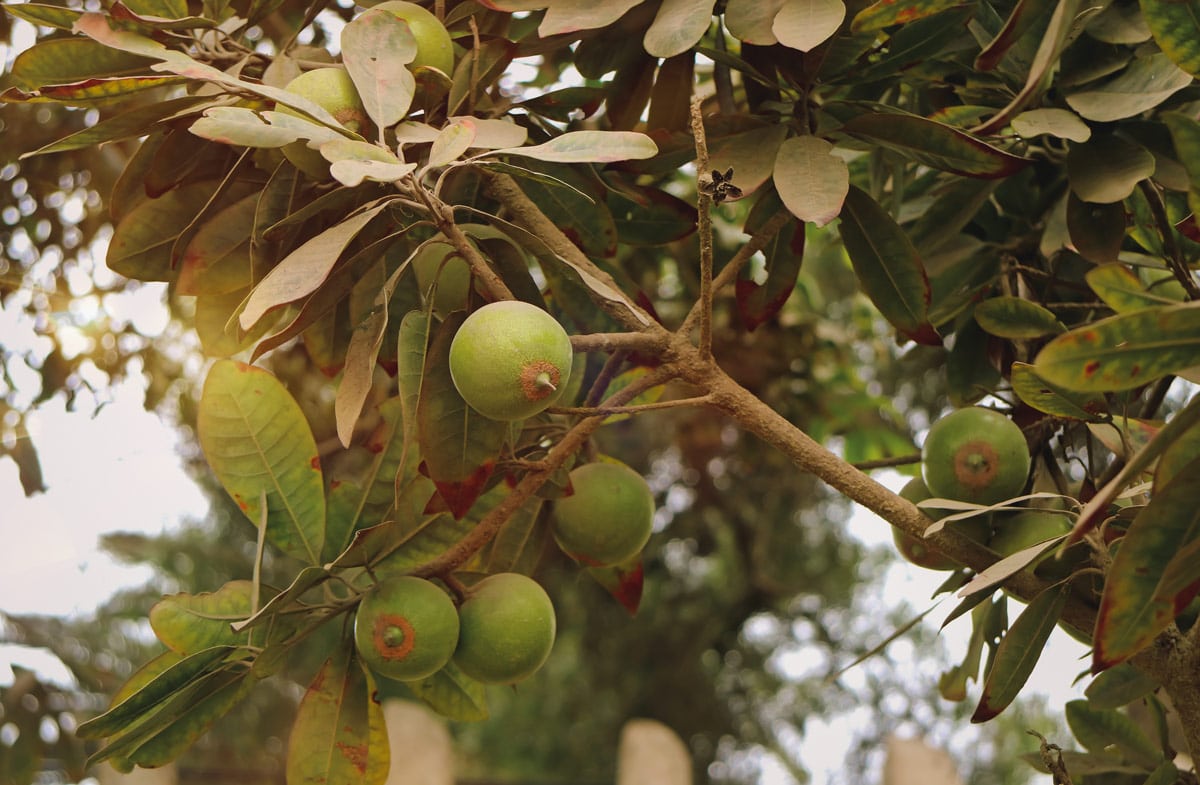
(141, 243)
(399, 547)
(1016, 318)
(71, 60)
(577, 205)
(217, 258)
(1019, 651)
(1123, 351)
(1045, 397)
(44, 15)
(1024, 15)
(934, 144)
(623, 581)
(1097, 230)
(677, 26)
(1165, 774)
(1183, 448)
(519, 544)
(189, 623)
(970, 373)
(89, 90)
(645, 215)
(1119, 686)
(758, 303)
(304, 270)
(887, 265)
(306, 579)
(1107, 168)
(1100, 729)
(363, 352)
(376, 47)
(332, 740)
(1147, 82)
(257, 441)
(806, 24)
(593, 146)
(810, 179)
(136, 122)
(1185, 134)
(1132, 612)
(885, 13)
(238, 125)
(1051, 122)
(1175, 25)
(453, 694)
(1121, 289)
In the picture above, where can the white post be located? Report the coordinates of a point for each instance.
(651, 754)
(422, 753)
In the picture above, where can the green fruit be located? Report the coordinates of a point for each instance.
(439, 262)
(608, 516)
(434, 48)
(334, 91)
(1027, 528)
(507, 629)
(510, 360)
(975, 455)
(406, 628)
(915, 550)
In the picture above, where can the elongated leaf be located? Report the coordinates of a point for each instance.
(141, 243)
(45, 15)
(1097, 230)
(885, 14)
(623, 581)
(376, 47)
(452, 142)
(1013, 317)
(217, 258)
(887, 265)
(1121, 289)
(304, 580)
(1045, 397)
(594, 146)
(238, 125)
(758, 303)
(397, 548)
(1101, 729)
(453, 694)
(1131, 611)
(677, 26)
(136, 122)
(520, 541)
(1185, 134)
(1147, 82)
(1019, 651)
(1052, 122)
(1024, 15)
(810, 179)
(331, 739)
(935, 144)
(1175, 25)
(190, 623)
(71, 60)
(1183, 448)
(257, 441)
(1123, 351)
(361, 357)
(304, 270)
(1119, 686)
(650, 216)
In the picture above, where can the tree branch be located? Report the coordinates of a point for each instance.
(651, 343)
(704, 230)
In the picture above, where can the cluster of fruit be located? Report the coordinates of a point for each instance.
(977, 455)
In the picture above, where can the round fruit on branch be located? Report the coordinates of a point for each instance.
(434, 47)
(510, 360)
(920, 553)
(507, 629)
(975, 455)
(334, 91)
(608, 516)
(406, 628)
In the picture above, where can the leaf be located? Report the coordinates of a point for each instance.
(453, 694)
(934, 144)
(520, 541)
(810, 179)
(1019, 651)
(494, 133)
(758, 303)
(1107, 168)
(569, 16)
(238, 125)
(677, 26)
(304, 270)
(585, 146)
(577, 208)
(622, 581)
(887, 265)
(1121, 289)
(361, 357)
(752, 21)
(1131, 611)
(1100, 729)
(352, 161)
(1123, 351)
(136, 122)
(806, 24)
(331, 740)
(1119, 686)
(644, 215)
(459, 445)
(1016, 318)
(750, 154)
(1175, 25)
(886, 13)
(451, 143)
(1147, 82)
(1179, 453)
(376, 47)
(306, 579)
(1045, 397)
(1024, 15)
(1185, 134)
(256, 439)
(141, 244)
(1058, 123)
(190, 623)
(217, 258)
(54, 16)
(72, 60)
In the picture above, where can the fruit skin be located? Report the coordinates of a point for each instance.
(975, 455)
(510, 360)
(334, 91)
(607, 518)
(915, 550)
(1018, 531)
(453, 277)
(406, 628)
(434, 48)
(507, 629)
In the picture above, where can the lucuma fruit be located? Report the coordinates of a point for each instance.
(975, 455)
(608, 516)
(915, 549)
(333, 90)
(434, 47)
(406, 628)
(507, 629)
(510, 360)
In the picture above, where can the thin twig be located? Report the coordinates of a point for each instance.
(608, 411)
(605, 377)
(883, 463)
(1173, 254)
(443, 217)
(721, 74)
(704, 230)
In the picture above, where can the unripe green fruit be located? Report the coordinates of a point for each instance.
(434, 48)
(510, 360)
(406, 628)
(440, 262)
(607, 518)
(507, 629)
(333, 90)
(1021, 530)
(975, 455)
(915, 550)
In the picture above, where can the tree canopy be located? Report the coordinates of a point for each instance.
(783, 238)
